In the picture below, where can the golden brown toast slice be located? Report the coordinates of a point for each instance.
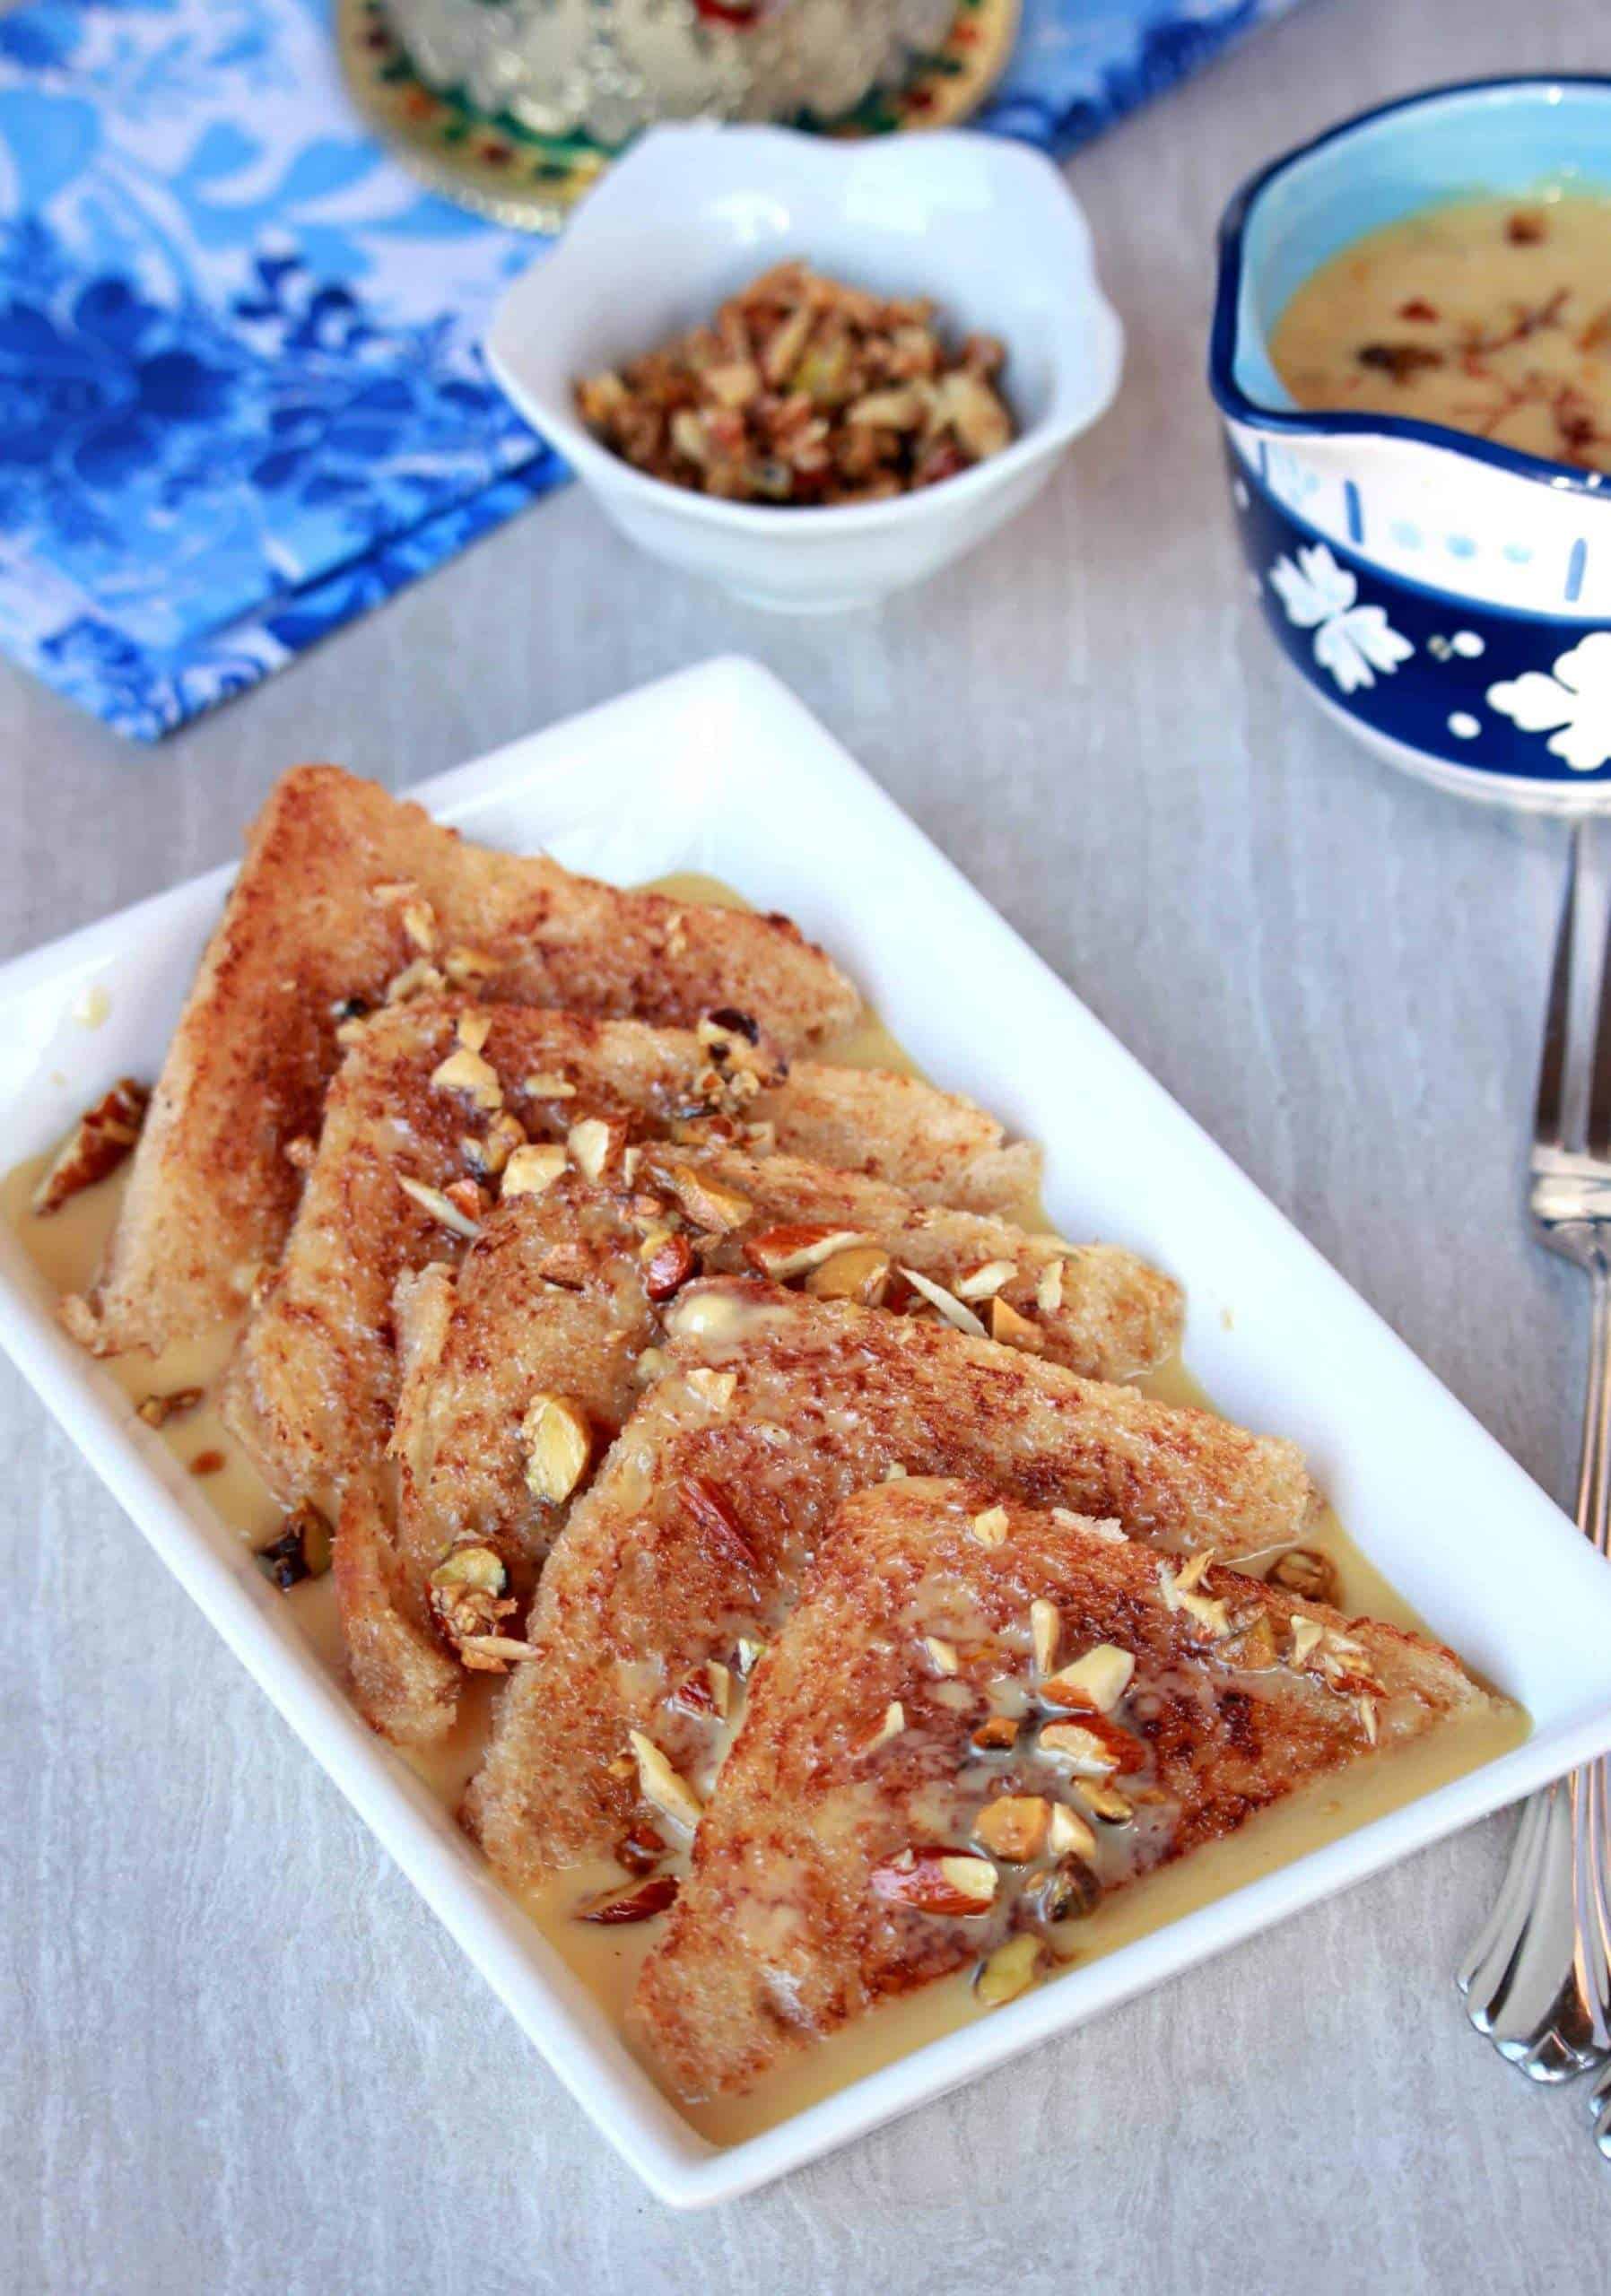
(562, 1293)
(1147, 1728)
(711, 1502)
(345, 895)
(311, 1390)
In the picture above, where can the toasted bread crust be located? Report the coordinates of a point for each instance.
(212, 1193)
(311, 1390)
(503, 1332)
(638, 1589)
(780, 1934)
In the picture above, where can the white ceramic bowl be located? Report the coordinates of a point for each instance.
(986, 227)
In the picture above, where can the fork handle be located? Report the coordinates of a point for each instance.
(1538, 1980)
(1586, 1788)
(1594, 1469)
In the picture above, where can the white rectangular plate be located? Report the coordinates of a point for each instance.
(721, 770)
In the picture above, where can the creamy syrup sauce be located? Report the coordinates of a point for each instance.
(67, 1248)
(1491, 315)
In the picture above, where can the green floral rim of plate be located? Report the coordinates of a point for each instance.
(491, 161)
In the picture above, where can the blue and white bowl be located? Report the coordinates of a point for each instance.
(1447, 599)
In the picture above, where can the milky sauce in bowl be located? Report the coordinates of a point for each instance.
(1492, 316)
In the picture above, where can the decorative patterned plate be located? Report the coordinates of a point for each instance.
(493, 162)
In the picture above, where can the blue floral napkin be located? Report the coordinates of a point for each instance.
(242, 394)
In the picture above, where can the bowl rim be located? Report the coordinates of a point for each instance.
(1039, 439)
(1233, 402)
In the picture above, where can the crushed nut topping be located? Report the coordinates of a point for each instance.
(546, 1086)
(987, 1280)
(668, 1263)
(473, 1030)
(1099, 1680)
(796, 1249)
(709, 1207)
(945, 1303)
(417, 978)
(1308, 1634)
(1008, 1329)
(937, 1880)
(640, 1848)
(802, 390)
(464, 1071)
(715, 1389)
(468, 1594)
(156, 1411)
(662, 1786)
(1304, 1570)
(641, 1902)
(1069, 1832)
(1010, 1970)
(488, 1156)
(419, 925)
(96, 1146)
(1107, 1801)
(595, 1145)
(532, 1169)
(1114, 1533)
(997, 1735)
(492, 1654)
(1180, 1591)
(892, 1723)
(1085, 1754)
(1013, 1827)
(1049, 1288)
(708, 1691)
(1046, 1628)
(558, 1441)
(991, 1528)
(441, 1206)
(942, 1654)
(470, 968)
(861, 1273)
(303, 1550)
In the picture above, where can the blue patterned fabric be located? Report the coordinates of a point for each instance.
(1080, 65)
(241, 399)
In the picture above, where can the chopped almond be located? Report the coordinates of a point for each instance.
(596, 1146)
(558, 1443)
(1013, 1826)
(787, 1251)
(862, 1273)
(937, 1880)
(464, 1071)
(1099, 1680)
(1081, 1750)
(1010, 1970)
(891, 1726)
(1008, 1329)
(944, 1303)
(1046, 1628)
(987, 1280)
(662, 1786)
(532, 1169)
(709, 1207)
(441, 1206)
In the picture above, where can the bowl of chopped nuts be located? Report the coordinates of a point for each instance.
(813, 372)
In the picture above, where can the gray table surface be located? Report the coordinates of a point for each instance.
(236, 2052)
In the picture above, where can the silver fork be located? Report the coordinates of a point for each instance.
(1537, 1976)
